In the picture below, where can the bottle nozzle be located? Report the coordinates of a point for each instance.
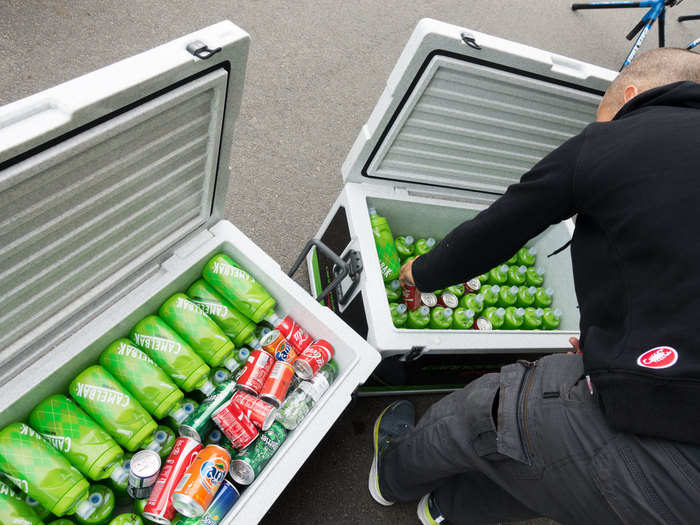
(207, 388)
(408, 240)
(479, 298)
(520, 312)
(557, 313)
(532, 251)
(549, 292)
(513, 290)
(231, 364)
(119, 474)
(372, 210)
(447, 312)
(539, 312)
(220, 376)
(495, 288)
(540, 271)
(522, 269)
(532, 290)
(181, 412)
(395, 284)
(470, 312)
(424, 310)
(503, 268)
(500, 312)
(87, 508)
(401, 308)
(273, 318)
(430, 242)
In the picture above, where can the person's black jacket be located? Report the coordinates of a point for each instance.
(635, 185)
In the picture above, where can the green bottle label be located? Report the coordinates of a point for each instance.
(389, 261)
(245, 294)
(13, 508)
(106, 401)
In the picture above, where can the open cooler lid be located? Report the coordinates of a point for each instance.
(101, 177)
(469, 111)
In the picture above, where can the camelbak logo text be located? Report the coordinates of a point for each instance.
(159, 344)
(102, 395)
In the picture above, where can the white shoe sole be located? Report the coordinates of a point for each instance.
(420, 510)
(373, 484)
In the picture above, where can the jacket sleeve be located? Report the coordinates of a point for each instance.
(544, 196)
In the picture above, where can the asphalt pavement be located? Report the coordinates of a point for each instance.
(315, 71)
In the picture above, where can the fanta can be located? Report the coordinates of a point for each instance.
(201, 481)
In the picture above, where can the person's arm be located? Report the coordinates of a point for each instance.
(544, 196)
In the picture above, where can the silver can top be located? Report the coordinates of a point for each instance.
(429, 299)
(144, 468)
(483, 324)
(450, 300)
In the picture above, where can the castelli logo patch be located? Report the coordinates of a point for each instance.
(659, 357)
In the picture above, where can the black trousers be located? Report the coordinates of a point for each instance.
(550, 453)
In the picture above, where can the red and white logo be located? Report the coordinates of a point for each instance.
(658, 357)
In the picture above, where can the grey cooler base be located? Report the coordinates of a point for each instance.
(553, 454)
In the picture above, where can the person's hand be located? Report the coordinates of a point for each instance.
(406, 276)
(575, 345)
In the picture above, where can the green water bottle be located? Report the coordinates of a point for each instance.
(245, 293)
(117, 411)
(405, 246)
(496, 316)
(418, 318)
(543, 297)
(165, 438)
(517, 275)
(172, 354)
(143, 378)
(534, 276)
(102, 499)
(119, 486)
(484, 278)
(551, 319)
(82, 441)
(473, 302)
(389, 260)
(399, 314)
(37, 507)
(441, 318)
(526, 296)
(527, 256)
(239, 329)
(499, 275)
(41, 471)
(463, 318)
(507, 296)
(13, 508)
(457, 289)
(513, 319)
(393, 291)
(423, 246)
(491, 294)
(127, 519)
(189, 406)
(513, 261)
(533, 318)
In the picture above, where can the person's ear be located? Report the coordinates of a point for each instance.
(630, 92)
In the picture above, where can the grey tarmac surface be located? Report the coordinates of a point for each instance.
(315, 71)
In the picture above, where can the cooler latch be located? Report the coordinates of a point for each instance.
(414, 353)
(201, 50)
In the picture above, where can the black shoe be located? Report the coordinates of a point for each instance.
(428, 512)
(394, 420)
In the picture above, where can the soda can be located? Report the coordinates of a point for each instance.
(429, 299)
(275, 343)
(411, 297)
(224, 501)
(295, 334)
(448, 300)
(277, 383)
(143, 473)
(201, 481)
(482, 323)
(255, 371)
(198, 423)
(472, 285)
(261, 414)
(246, 466)
(313, 358)
(235, 425)
(159, 507)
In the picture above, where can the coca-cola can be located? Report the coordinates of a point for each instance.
(448, 300)
(472, 285)
(295, 334)
(482, 323)
(159, 507)
(261, 414)
(275, 343)
(411, 297)
(235, 425)
(429, 299)
(277, 384)
(255, 371)
(310, 362)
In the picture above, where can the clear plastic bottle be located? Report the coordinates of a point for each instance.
(299, 403)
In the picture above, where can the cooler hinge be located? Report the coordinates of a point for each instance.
(187, 247)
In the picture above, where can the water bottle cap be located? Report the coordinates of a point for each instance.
(520, 312)
(557, 313)
(86, 508)
(532, 251)
(401, 308)
(254, 343)
(549, 292)
(522, 269)
(207, 388)
(479, 298)
(95, 499)
(188, 406)
(540, 271)
(531, 290)
(243, 352)
(430, 242)
(539, 312)
(469, 312)
(503, 268)
(500, 312)
(372, 210)
(119, 474)
(424, 310)
(513, 290)
(220, 376)
(495, 288)
(215, 435)
(161, 436)
(447, 312)
(395, 284)
(408, 240)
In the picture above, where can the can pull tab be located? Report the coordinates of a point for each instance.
(201, 50)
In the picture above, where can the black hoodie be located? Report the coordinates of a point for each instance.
(635, 185)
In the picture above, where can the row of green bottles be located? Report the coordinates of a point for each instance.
(523, 296)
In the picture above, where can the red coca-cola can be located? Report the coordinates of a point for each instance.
(278, 346)
(472, 285)
(310, 362)
(235, 425)
(411, 297)
(261, 414)
(482, 323)
(295, 334)
(448, 300)
(159, 507)
(255, 371)
(277, 384)
(429, 299)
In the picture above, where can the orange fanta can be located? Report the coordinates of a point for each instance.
(201, 480)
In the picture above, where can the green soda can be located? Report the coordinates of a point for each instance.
(533, 318)
(393, 291)
(42, 472)
(389, 260)
(82, 441)
(513, 260)
(423, 246)
(534, 276)
(513, 319)
(496, 316)
(245, 293)
(399, 314)
(526, 296)
(13, 508)
(463, 318)
(499, 275)
(457, 289)
(102, 499)
(188, 406)
(127, 519)
(106, 401)
(491, 294)
(551, 319)
(139, 505)
(172, 354)
(163, 440)
(418, 318)
(543, 297)
(527, 256)
(197, 424)
(507, 296)
(195, 327)
(247, 464)
(473, 302)
(441, 318)
(517, 275)
(143, 378)
(405, 246)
